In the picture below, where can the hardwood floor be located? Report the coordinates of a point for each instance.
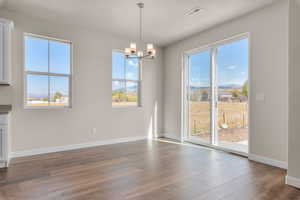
(142, 170)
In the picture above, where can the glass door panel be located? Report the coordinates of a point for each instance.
(217, 91)
(232, 84)
(199, 97)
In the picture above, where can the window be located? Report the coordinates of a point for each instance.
(47, 72)
(125, 80)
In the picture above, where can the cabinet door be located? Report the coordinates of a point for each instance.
(2, 46)
(3, 142)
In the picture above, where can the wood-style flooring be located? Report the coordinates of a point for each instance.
(142, 170)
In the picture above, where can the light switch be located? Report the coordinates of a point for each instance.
(260, 97)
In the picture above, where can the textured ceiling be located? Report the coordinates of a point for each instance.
(164, 20)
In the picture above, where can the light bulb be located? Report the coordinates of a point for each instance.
(140, 54)
(132, 48)
(149, 46)
(133, 45)
(127, 51)
(153, 52)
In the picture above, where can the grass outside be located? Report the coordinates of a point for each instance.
(46, 104)
(232, 120)
(121, 98)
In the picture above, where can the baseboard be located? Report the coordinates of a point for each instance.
(268, 161)
(171, 136)
(3, 164)
(292, 181)
(159, 135)
(75, 146)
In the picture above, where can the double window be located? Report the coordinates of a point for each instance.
(48, 72)
(125, 80)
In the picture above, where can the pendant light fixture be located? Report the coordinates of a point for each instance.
(132, 51)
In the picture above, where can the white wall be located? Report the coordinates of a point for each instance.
(294, 92)
(33, 129)
(268, 28)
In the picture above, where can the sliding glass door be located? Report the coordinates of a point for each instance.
(199, 104)
(218, 89)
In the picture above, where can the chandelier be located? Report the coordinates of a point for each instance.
(132, 51)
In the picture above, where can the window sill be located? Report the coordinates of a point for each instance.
(47, 107)
(126, 107)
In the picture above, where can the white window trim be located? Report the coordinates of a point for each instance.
(25, 73)
(139, 82)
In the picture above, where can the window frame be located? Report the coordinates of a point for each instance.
(49, 74)
(139, 82)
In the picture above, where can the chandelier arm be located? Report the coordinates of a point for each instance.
(147, 56)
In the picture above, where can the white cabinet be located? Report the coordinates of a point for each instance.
(4, 140)
(3, 149)
(6, 27)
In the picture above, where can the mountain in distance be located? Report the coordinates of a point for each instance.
(227, 86)
(35, 95)
(130, 88)
(40, 95)
(231, 86)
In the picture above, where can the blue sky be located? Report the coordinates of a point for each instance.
(120, 66)
(232, 65)
(36, 59)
